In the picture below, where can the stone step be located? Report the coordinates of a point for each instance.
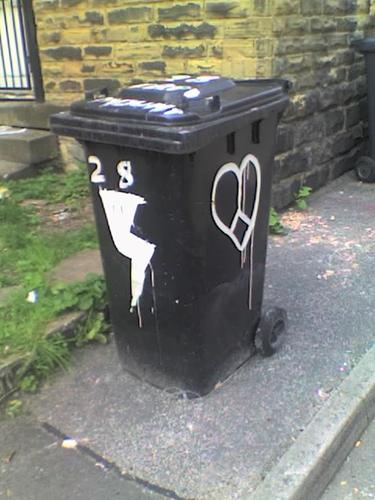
(15, 170)
(27, 146)
(76, 268)
(29, 114)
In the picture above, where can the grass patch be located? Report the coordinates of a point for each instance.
(29, 249)
(23, 322)
(27, 252)
(52, 186)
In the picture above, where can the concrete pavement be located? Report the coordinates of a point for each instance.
(223, 446)
(307, 467)
(34, 466)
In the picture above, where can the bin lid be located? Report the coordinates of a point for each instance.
(365, 45)
(166, 115)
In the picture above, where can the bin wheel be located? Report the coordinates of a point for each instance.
(271, 331)
(365, 169)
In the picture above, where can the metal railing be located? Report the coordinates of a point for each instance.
(14, 58)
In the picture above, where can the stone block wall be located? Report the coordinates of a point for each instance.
(324, 128)
(86, 44)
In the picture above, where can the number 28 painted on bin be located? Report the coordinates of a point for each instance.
(124, 169)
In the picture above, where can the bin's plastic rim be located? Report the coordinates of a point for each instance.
(279, 89)
(365, 45)
(172, 140)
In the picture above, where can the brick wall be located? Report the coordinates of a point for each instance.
(89, 43)
(322, 132)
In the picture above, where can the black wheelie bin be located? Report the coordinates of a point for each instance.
(181, 175)
(365, 166)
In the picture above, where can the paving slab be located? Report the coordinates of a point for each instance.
(34, 466)
(222, 446)
(76, 268)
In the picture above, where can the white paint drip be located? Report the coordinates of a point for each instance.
(140, 322)
(120, 209)
(155, 312)
(244, 251)
(251, 274)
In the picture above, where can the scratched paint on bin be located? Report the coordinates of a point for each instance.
(120, 210)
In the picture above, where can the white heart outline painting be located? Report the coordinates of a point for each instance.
(241, 173)
(232, 168)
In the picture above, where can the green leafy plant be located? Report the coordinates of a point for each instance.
(85, 295)
(302, 196)
(93, 330)
(274, 223)
(29, 383)
(14, 408)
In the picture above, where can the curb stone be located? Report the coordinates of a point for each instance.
(8, 375)
(305, 470)
(64, 325)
